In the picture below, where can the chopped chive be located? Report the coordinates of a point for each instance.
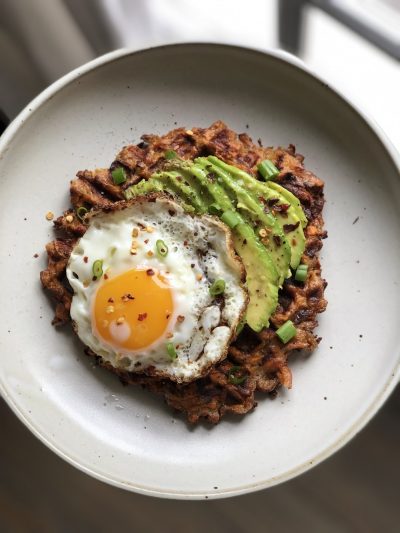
(118, 175)
(170, 154)
(81, 212)
(230, 218)
(218, 287)
(162, 248)
(171, 351)
(97, 268)
(214, 209)
(301, 273)
(234, 379)
(286, 332)
(268, 170)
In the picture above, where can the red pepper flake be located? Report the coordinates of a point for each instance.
(271, 202)
(146, 241)
(85, 259)
(287, 228)
(192, 265)
(141, 226)
(150, 272)
(282, 208)
(110, 300)
(167, 315)
(105, 276)
(36, 256)
(185, 243)
(142, 316)
(180, 318)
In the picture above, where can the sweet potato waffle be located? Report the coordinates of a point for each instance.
(259, 357)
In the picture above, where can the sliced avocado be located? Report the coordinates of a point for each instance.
(253, 212)
(262, 276)
(210, 185)
(291, 198)
(177, 182)
(156, 185)
(142, 188)
(261, 280)
(289, 220)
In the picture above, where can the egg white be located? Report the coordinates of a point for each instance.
(199, 252)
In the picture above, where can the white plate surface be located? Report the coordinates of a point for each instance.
(126, 436)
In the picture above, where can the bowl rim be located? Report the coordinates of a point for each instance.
(280, 55)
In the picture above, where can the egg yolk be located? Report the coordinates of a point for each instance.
(132, 310)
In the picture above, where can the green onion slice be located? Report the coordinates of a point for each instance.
(301, 273)
(214, 209)
(230, 218)
(233, 378)
(286, 332)
(268, 170)
(162, 248)
(81, 212)
(218, 287)
(118, 175)
(170, 154)
(171, 351)
(97, 268)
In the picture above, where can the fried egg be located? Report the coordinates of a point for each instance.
(144, 278)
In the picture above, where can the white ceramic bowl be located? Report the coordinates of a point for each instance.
(126, 436)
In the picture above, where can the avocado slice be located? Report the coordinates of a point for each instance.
(261, 280)
(290, 222)
(253, 212)
(158, 185)
(291, 198)
(142, 188)
(262, 276)
(178, 183)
